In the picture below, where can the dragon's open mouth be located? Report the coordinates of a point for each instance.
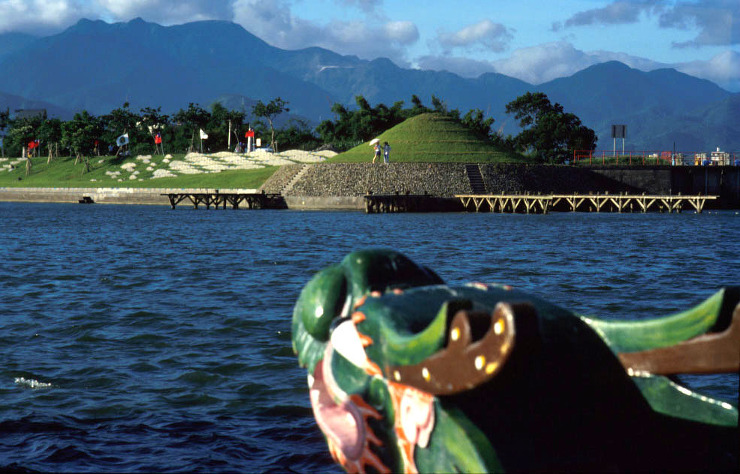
(343, 419)
(341, 422)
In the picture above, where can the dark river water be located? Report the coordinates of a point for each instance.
(138, 338)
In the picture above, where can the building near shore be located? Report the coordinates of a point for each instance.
(29, 114)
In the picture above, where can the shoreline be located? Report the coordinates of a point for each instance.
(141, 196)
(343, 186)
(153, 197)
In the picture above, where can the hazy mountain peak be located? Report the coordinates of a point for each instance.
(611, 65)
(87, 26)
(97, 66)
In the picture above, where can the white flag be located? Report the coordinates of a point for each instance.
(122, 140)
(203, 135)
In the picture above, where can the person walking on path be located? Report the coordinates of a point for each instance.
(386, 153)
(377, 152)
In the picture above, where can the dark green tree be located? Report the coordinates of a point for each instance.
(155, 123)
(297, 134)
(361, 124)
(121, 121)
(365, 122)
(80, 134)
(194, 118)
(50, 133)
(475, 121)
(269, 111)
(224, 121)
(22, 131)
(417, 107)
(439, 105)
(548, 131)
(236, 120)
(4, 120)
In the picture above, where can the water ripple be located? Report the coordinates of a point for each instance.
(165, 336)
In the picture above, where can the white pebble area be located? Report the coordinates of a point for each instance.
(7, 164)
(197, 163)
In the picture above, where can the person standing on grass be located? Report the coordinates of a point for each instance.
(386, 153)
(377, 152)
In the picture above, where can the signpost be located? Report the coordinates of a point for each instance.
(619, 131)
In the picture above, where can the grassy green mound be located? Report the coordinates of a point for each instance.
(106, 172)
(431, 138)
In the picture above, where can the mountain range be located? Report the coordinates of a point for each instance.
(98, 66)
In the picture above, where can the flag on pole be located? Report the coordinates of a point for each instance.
(203, 135)
(122, 140)
(250, 133)
(158, 139)
(32, 144)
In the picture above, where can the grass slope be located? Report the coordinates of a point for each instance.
(63, 173)
(431, 138)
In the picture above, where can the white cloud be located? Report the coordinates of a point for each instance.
(545, 62)
(401, 32)
(273, 21)
(619, 12)
(35, 15)
(722, 69)
(464, 67)
(718, 21)
(364, 5)
(715, 21)
(50, 16)
(485, 33)
(168, 12)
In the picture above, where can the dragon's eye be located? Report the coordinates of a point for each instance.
(323, 299)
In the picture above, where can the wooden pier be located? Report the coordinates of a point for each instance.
(542, 204)
(222, 200)
(382, 203)
(391, 203)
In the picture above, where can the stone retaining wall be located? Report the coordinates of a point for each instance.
(98, 195)
(517, 178)
(448, 179)
(280, 179)
(342, 185)
(357, 179)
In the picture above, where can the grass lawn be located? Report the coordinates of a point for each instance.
(431, 138)
(106, 171)
(425, 138)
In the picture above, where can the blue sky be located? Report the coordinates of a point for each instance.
(534, 40)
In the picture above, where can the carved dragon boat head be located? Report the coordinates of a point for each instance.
(407, 374)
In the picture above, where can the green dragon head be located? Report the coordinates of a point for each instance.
(408, 374)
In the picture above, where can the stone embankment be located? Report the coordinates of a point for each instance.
(335, 185)
(357, 179)
(344, 185)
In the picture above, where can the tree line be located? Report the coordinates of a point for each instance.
(89, 135)
(549, 134)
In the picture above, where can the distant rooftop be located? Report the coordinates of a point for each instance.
(29, 113)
